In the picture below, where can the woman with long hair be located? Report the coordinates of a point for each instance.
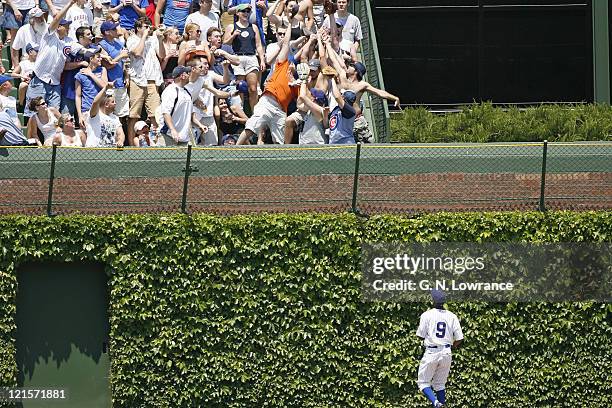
(191, 42)
(171, 41)
(43, 120)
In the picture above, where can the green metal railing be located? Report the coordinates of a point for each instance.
(378, 112)
(369, 178)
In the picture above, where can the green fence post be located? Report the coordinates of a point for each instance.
(51, 179)
(601, 51)
(356, 178)
(543, 179)
(187, 170)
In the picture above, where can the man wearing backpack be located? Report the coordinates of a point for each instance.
(176, 109)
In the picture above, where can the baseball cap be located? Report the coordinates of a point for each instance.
(180, 70)
(138, 126)
(227, 138)
(195, 53)
(349, 97)
(243, 87)
(35, 12)
(314, 64)
(438, 296)
(245, 6)
(360, 68)
(63, 21)
(92, 50)
(319, 96)
(5, 78)
(30, 47)
(108, 26)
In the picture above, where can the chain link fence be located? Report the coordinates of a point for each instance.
(360, 178)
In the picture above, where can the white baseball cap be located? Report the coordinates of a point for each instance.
(35, 12)
(141, 124)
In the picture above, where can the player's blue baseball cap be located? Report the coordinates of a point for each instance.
(438, 296)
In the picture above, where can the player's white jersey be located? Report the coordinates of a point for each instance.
(439, 327)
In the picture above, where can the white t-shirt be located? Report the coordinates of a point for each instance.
(177, 99)
(80, 18)
(145, 67)
(439, 327)
(313, 131)
(26, 66)
(206, 97)
(9, 105)
(102, 130)
(352, 27)
(204, 22)
(26, 35)
(24, 4)
(59, 4)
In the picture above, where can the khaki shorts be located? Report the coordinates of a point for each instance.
(165, 140)
(147, 95)
(268, 113)
(248, 63)
(298, 117)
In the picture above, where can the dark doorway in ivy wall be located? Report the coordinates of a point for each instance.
(62, 333)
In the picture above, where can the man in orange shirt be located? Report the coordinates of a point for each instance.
(271, 109)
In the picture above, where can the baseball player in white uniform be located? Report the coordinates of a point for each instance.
(441, 332)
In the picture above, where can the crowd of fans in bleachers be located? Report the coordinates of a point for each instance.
(113, 73)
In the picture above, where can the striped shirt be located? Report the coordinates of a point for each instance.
(51, 58)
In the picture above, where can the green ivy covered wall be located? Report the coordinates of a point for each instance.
(266, 311)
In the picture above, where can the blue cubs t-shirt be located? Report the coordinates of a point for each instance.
(341, 123)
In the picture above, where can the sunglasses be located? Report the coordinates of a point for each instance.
(245, 11)
(280, 33)
(43, 103)
(69, 120)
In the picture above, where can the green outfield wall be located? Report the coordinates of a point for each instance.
(266, 311)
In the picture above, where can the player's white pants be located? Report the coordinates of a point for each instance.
(433, 370)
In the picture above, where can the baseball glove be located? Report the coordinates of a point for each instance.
(303, 70)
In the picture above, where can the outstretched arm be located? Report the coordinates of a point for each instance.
(59, 16)
(95, 106)
(336, 93)
(382, 94)
(284, 51)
